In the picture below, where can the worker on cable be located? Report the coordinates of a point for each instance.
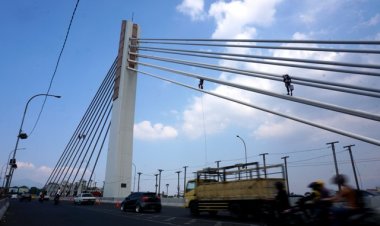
(288, 84)
(200, 85)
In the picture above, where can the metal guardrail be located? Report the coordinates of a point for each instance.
(4, 204)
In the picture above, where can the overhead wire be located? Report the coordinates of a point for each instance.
(56, 66)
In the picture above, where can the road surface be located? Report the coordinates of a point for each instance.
(66, 213)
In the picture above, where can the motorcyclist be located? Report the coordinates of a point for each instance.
(42, 196)
(282, 199)
(346, 201)
(319, 203)
(57, 195)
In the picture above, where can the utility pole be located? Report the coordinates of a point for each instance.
(138, 183)
(265, 166)
(184, 181)
(178, 172)
(156, 175)
(159, 182)
(353, 164)
(286, 173)
(217, 163)
(167, 190)
(335, 162)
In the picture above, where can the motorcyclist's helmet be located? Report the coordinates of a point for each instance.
(339, 179)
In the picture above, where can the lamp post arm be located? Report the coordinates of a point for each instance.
(245, 148)
(9, 179)
(23, 117)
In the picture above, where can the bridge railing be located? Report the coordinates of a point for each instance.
(4, 204)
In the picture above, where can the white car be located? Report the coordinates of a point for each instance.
(14, 196)
(84, 198)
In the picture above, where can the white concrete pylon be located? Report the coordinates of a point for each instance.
(118, 178)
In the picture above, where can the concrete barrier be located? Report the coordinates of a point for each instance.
(4, 204)
(372, 202)
(179, 202)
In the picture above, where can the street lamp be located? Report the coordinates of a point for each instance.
(138, 182)
(159, 182)
(184, 180)
(245, 148)
(22, 135)
(8, 163)
(134, 177)
(178, 172)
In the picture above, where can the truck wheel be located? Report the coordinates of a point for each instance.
(194, 209)
(238, 210)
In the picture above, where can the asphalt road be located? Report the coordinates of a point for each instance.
(65, 214)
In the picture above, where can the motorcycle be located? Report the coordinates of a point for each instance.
(41, 198)
(56, 199)
(309, 213)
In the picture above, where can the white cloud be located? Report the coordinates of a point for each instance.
(377, 37)
(316, 9)
(146, 131)
(237, 18)
(45, 170)
(28, 171)
(25, 165)
(373, 21)
(192, 8)
(212, 115)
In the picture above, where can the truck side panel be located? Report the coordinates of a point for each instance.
(238, 190)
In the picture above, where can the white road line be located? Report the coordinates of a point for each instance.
(191, 221)
(170, 219)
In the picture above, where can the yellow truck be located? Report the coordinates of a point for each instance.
(241, 189)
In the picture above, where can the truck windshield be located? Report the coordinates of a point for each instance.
(190, 186)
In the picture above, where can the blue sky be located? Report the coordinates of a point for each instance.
(174, 126)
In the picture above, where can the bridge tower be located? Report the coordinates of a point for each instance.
(118, 178)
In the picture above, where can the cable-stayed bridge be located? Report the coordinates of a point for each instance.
(107, 125)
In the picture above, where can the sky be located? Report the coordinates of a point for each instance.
(175, 126)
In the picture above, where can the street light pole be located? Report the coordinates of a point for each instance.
(22, 136)
(286, 173)
(353, 164)
(138, 182)
(178, 172)
(184, 181)
(8, 163)
(134, 177)
(265, 166)
(156, 175)
(245, 148)
(159, 182)
(335, 162)
(217, 163)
